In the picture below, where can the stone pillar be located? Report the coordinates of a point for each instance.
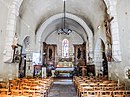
(112, 11)
(11, 29)
(98, 57)
(98, 62)
(91, 47)
(13, 12)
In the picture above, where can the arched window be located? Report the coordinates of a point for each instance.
(65, 48)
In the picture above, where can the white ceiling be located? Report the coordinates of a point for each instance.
(35, 12)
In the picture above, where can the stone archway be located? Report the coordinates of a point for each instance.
(68, 15)
(26, 43)
(11, 27)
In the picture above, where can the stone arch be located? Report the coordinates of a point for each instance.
(107, 2)
(68, 15)
(26, 43)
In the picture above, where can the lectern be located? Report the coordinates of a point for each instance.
(83, 69)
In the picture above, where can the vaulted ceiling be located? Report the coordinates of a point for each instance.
(36, 12)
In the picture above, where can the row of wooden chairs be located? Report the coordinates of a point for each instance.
(104, 93)
(94, 87)
(26, 87)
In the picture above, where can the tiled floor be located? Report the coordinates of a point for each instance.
(62, 88)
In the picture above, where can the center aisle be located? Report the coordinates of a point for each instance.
(62, 88)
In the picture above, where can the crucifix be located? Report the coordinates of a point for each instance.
(107, 25)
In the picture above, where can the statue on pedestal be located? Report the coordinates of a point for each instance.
(15, 41)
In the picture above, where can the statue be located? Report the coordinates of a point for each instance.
(79, 53)
(15, 41)
(50, 53)
(107, 25)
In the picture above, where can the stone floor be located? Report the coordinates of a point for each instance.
(62, 88)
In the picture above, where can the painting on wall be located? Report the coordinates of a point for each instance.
(17, 54)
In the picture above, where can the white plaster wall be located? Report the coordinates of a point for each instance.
(123, 9)
(123, 13)
(26, 30)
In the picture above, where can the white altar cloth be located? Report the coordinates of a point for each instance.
(63, 68)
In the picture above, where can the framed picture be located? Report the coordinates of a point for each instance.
(17, 54)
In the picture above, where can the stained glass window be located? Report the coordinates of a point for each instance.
(65, 48)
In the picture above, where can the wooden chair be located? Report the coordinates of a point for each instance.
(127, 93)
(80, 88)
(118, 93)
(102, 85)
(16, 92)
(18, 96)
(87, 90)
(105, 94)
(92, 94)
(25, 87)
(29, 93)
(2, 95)
(4, 91)
(3, 85)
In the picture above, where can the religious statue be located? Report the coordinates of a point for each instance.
(17, 57)
(50, 53)
(15, 41)
(107, 25)
(79, 53)
(109, 53)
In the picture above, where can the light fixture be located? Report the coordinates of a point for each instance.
(64, 30)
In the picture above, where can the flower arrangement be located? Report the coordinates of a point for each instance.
(128, 73)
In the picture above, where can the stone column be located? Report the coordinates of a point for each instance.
(98, 62)
(112, 11)
(98, 57)
(13, 12)
(91, 47)
(11, 29)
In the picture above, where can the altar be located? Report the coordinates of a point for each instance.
(65, 64)
(64, 71)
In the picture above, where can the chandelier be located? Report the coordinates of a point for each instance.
(64, 30)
